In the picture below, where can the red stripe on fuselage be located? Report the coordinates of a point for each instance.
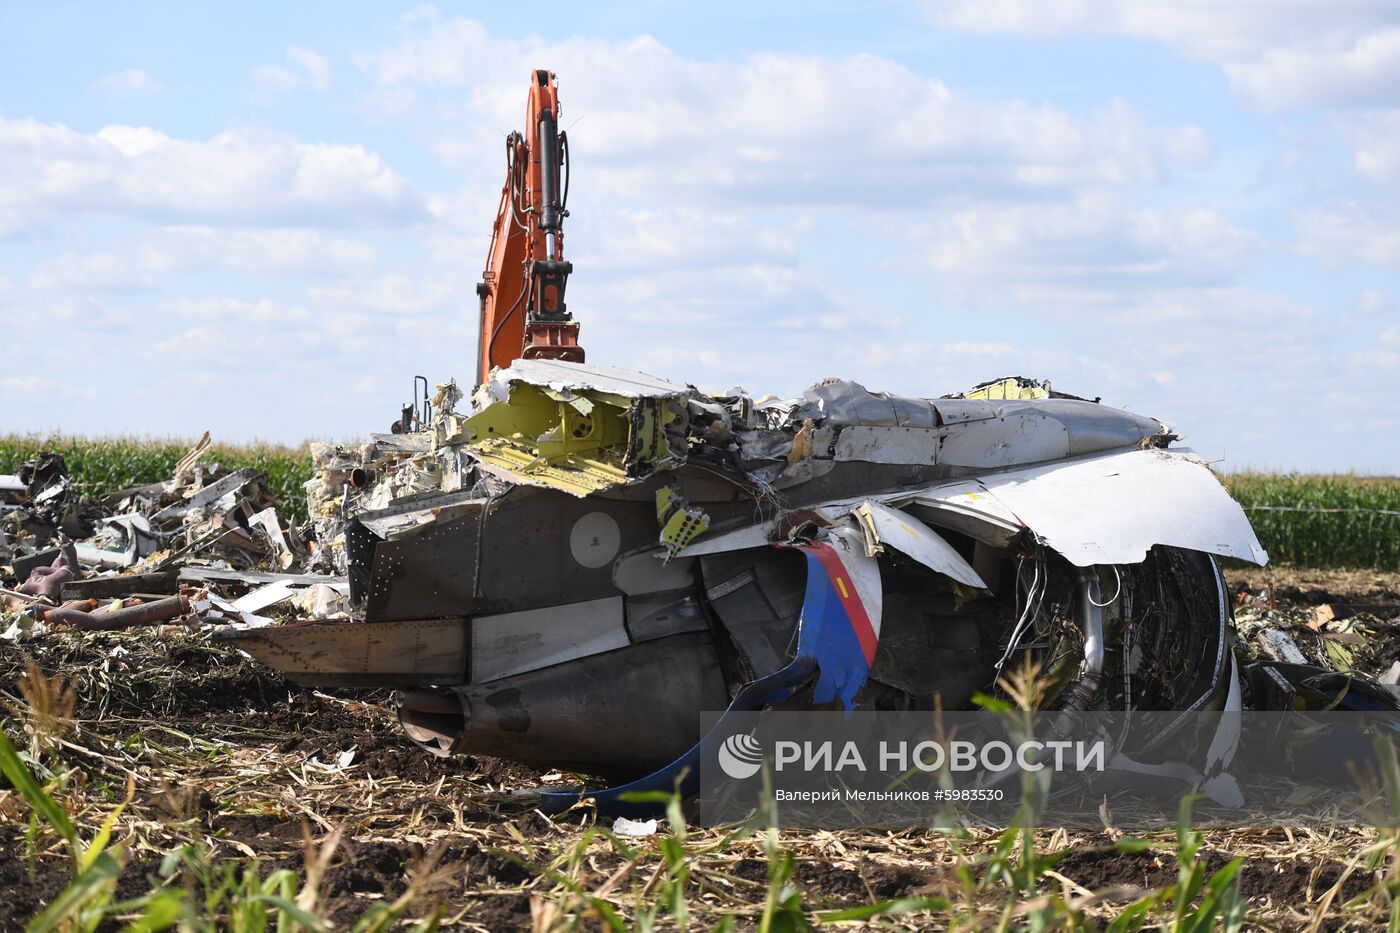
(849, 596)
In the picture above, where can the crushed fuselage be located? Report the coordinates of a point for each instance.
(573, 571)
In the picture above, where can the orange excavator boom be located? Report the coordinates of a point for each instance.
(522, 288)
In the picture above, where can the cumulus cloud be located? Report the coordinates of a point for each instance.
(781, 128)
(390, 295)
(1372, 302)
(1361, 71)
(131, 82)
(240, 176)
(1377, 146)
(265, 251)
(1089, 251)
(1280, 54)
(1347, 232)
(96, 272)
(303, 68)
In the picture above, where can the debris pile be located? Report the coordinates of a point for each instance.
(1363, 643)
(186, 548)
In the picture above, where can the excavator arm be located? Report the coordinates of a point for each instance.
(522, 288)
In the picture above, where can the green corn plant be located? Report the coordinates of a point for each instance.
(82, 904)
(1199, 903)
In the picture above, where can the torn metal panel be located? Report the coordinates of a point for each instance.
(969, 508)
(576, 428)
(737, 539)
(265, 596)
(971, 433)
(1112, 508)
(888, 444)
(193, 574)
(406, 519)
(121, 541)
(680, 522)
(1012, 437)
(356, 654)
(271, 526)
(516, 642)
(1010, 387)
(207, 496)
(839, 630)
(908, 535)
(562, 376)
(850, 403)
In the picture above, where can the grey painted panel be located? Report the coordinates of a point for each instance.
(515, 642)
(642, 573)
(880, 444)
(963, 410)
(660, 614)
(1016, 438)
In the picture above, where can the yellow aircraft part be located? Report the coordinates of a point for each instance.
(1005, 389)
(576, 442)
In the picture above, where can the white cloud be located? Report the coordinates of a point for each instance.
(1089, 251)
(392, 294)
(275, 79)
(97, 272)
(1204, 310)
(1372, 302)
(1346, 232)
(243, 176)
(1364, 71)
(265, 251)
(1280, 53)
(304, 68)
(317, 68)
(1377, 146)
(682, 237)
(131, 82)
(779, 128)
(262, 311)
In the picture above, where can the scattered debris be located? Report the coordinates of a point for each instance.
(148, 555)
(633, 829)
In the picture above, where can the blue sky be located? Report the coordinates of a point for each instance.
(265, 220)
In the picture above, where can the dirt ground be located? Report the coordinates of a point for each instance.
(227, 756)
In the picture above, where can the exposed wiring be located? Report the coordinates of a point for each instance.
(1034, 596)
(1116, 593)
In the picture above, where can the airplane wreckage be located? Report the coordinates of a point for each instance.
(569, 567)
(569, 572)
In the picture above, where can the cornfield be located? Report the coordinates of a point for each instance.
(1336, 520)
(103, 465)
(1332, 520)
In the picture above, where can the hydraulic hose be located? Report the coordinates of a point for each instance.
(1086, 684)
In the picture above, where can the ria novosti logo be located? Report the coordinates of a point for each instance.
(740, 756)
